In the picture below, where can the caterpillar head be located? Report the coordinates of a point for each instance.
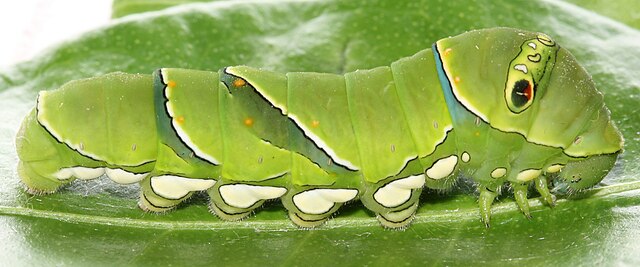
(587, 172)
(524, 82)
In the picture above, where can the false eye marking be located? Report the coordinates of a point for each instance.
(546, 40)
(522, 93)
(535, 58)
(399, 191)
(529, 72)
(319, 201)
(521, 67)
(244, 195)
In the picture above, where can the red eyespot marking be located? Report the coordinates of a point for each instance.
(522, 93)
(171, 84)
(528, 92)
(239, 82)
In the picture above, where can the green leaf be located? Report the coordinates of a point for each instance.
(122, 8)
(97, 222)
(624, 11)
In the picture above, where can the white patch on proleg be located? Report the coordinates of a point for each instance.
(63, 174)
(244, 195)
(465, 157)
(82, 173)
(175, 187)
(555, 168)
(319, 201)
(498, 172)
(532, 45)
(528, 175)
(521, 67)
(124, 177)
(399, 191)
(182, 134)
(442, 167)
(321, 144)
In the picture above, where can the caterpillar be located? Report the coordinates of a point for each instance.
(503, 107)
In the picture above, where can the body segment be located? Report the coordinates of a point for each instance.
(316, 141)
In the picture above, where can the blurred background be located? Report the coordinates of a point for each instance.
(29, 26)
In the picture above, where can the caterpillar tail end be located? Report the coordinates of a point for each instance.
(39, 159)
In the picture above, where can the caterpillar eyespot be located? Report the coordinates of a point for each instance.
(316, 141)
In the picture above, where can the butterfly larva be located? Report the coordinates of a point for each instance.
(508, 107)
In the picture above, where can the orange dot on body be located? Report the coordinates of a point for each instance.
(239, 82)
(171, 84)
(456, 79)
(447, 51)
(315, 123)
(248, 121)
(180, 119)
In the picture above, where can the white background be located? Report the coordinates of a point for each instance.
(27, 27)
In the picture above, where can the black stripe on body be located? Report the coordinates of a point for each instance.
(77, 151)
(166, 130)
(269, 135)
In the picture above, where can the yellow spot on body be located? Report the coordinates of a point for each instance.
(239, 82)
(447, 51)
(498, 172)
(171, 84)
(477, 133)
(465, 157)
(315, 124)
(456, 79)
(180, 119)
(248, 122)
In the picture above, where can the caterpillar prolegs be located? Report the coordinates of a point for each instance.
(503, 107)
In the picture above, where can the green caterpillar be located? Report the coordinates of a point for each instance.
(501, 106)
